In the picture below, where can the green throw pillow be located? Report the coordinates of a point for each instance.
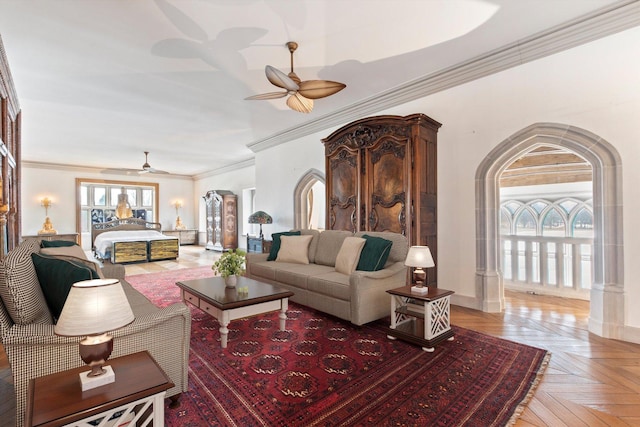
(275, 244)
(374, 254)
(56, 276)
(56, 243)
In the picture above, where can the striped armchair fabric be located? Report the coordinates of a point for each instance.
(33, 350)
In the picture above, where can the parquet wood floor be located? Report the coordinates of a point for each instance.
(590, 381)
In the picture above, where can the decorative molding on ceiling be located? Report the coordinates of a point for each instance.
(601, 23)
(229, 168)
(100, 171)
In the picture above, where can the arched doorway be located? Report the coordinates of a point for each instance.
(309, 200)
(607, 293)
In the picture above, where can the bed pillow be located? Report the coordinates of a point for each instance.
(294, 249)
(349, 254)
(56, 276)
(57, 243)
(275, 244)
(374, 253)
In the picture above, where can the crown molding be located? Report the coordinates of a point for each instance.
(601, 23)
(229, 168)
(100, 171)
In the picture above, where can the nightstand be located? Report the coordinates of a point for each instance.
(420, 318)
(137, 394)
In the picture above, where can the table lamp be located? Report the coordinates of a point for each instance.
(419, 257)
(260, 217)
(92, 308)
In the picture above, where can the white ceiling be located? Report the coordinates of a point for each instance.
(101, 81)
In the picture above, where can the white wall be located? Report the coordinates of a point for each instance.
(278, 171)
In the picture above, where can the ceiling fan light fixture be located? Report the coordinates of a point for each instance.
(302, 93)
(299, 103)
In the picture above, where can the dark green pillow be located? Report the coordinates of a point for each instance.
(374, 254)
(56, 243)
(275, 244)
(56, 276)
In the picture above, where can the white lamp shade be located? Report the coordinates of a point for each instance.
(94, 307)
(419, 256)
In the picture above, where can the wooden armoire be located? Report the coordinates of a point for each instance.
(222, 220)
(381, 176)
(10, 159)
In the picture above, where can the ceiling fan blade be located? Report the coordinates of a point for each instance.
(314, 89)
(280, 79)
(299, 103)
(270, 95)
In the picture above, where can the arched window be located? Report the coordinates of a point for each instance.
(553, 224)
(526, 224)
(309, 200)
(582, 224)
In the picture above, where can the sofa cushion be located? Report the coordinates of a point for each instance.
(56, 276)
(374, 254)
(333, 284)
(93, 265)
(298, 274)
(57, 243)
(294, 249)
(275, 243)
(329, 243)
(73, 250)
(19, 287)
(399, 248)
(349, 254)
(313, 246)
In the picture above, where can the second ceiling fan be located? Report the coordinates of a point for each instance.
(301, 93)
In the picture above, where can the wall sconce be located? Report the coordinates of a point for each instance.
(47, 227)
(179, 225)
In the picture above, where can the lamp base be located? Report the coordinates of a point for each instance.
(420, 289)
(89, 383)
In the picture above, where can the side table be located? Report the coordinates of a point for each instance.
(422, 319)
(136, 395)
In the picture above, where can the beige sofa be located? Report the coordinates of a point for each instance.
(358, 297)
(33, 350)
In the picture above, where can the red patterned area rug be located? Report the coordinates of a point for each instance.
(323, 371)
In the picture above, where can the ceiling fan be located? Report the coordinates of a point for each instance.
(301, 93)
(146, 167)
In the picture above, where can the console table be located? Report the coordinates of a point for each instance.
(137, 395)
(71, 237)
(188, 236)
(422, 319)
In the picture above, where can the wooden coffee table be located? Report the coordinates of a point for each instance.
(227, 304)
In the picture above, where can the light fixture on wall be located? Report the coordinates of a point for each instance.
(260, 217)
(47, 227)
(179, 225)
(93, 308)
(419, 257)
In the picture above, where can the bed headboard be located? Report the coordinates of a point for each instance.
(123, 224)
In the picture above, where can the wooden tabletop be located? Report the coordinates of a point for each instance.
(214, 291)
(58, 399)
(433, 294)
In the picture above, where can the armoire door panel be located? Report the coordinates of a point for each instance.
(388, 164)
(343, 190)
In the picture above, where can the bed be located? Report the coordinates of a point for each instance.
(132, 240)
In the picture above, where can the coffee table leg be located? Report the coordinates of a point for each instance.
(224, 332)
(283, 313)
